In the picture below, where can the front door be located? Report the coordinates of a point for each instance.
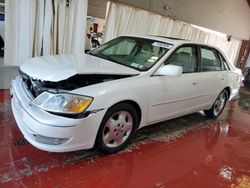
(173, 96)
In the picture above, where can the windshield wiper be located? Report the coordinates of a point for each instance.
(103, 56)
(100, 55)
(107, 57)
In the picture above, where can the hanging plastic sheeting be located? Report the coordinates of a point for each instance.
(122, 19)
(43, 27)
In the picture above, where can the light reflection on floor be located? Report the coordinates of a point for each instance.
(191, 151)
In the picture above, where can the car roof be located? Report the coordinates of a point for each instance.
(172, 40)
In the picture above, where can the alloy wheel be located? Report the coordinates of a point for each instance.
(219, 103)
(117, 129)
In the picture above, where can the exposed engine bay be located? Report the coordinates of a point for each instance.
(36, 87)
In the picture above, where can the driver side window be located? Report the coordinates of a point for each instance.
(186, 57)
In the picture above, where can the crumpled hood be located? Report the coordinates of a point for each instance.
(60, 67)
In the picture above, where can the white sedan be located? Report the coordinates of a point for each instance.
(71, 102)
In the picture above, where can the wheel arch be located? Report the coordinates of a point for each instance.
(228, 89)
(132, 103)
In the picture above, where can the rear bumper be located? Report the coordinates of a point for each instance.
(32, 121)
(234, 93)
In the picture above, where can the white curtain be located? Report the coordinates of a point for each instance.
(43, 27)
(122, 19)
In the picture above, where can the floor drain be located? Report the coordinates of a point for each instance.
(21, 142)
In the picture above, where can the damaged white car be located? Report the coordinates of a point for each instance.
(71, 102)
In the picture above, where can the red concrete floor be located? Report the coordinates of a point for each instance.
(192, 151)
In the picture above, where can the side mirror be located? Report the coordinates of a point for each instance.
(169, 70)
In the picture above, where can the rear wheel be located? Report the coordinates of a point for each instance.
(218, 105)
(117, 128)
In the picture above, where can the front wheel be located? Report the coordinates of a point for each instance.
(218, 105)
(117, 128)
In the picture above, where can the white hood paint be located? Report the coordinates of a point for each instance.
(60, 67)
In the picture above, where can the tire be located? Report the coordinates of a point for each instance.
(218, 105)
(117, 128)
(247, 83)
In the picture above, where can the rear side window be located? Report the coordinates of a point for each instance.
(210, 60)
(224, 63)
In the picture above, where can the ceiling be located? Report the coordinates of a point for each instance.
(97, 8)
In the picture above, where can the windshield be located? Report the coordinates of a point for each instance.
(137, 53)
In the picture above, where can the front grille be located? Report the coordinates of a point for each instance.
(33, 86)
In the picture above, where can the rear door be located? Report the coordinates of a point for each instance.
(213, 75)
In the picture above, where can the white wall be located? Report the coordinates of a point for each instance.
(227, 16)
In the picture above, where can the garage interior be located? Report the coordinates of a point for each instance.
(190, 151)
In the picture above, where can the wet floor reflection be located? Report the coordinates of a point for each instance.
(191, 151)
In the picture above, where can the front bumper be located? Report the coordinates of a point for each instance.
(32, 120)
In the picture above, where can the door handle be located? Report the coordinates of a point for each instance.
(195, 83)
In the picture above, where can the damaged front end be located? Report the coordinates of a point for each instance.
(36, 86)
(55, 97)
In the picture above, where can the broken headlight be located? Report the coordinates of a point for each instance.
(65, 103)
